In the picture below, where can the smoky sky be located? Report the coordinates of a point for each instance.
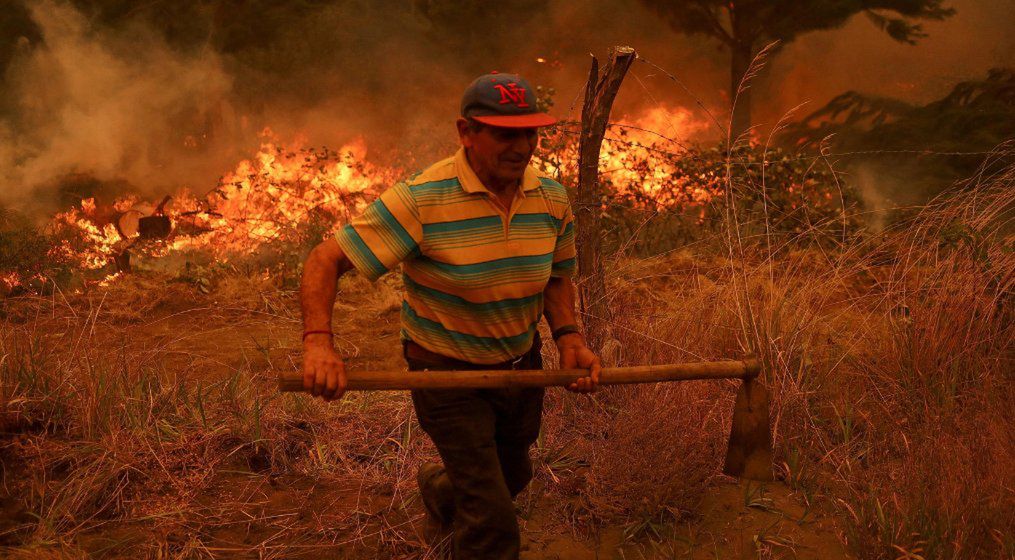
(166, 94)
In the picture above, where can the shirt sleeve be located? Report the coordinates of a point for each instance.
(564, 262)
(388, 232)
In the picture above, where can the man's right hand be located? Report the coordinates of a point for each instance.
(323, 369)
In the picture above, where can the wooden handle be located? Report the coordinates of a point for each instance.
(291, 381)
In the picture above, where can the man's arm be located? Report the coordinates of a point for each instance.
(323, 370)
(558, 301)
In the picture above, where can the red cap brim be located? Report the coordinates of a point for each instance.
(518, 121)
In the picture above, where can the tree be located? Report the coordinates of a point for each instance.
(745, 26)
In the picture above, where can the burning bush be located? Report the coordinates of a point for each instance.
(661, 194)
(273, 206)
(282, 195)
(268, 210)
(25, 259)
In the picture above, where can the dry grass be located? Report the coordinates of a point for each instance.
(113, 446)
(890, 360)
(924, 447)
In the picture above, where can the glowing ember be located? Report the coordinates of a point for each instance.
(9, 280)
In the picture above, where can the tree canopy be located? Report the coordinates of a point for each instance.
(744, 26)
(759, 21)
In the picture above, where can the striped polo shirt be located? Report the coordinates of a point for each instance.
(474, 274)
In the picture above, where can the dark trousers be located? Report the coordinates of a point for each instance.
(483, 437)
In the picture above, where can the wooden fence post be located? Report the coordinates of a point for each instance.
(599, 95)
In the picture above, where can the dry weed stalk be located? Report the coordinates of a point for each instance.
(889, 356)
(109, 446)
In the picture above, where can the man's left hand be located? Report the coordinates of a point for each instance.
(574, 354)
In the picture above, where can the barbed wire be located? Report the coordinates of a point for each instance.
(687, 90)
(689, 153)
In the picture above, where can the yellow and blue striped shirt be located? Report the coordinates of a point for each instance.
(474, 274)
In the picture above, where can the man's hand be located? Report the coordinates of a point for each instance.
(323, 369)
(574, 354)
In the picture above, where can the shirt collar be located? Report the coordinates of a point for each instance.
(471, 183)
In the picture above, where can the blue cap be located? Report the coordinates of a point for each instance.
(503, 100)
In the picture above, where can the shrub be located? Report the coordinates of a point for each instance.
(25, 259)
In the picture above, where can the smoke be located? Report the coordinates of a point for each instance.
(118, 106)
(152, 101)
(385, 71)
(125, 105)
(820, 65)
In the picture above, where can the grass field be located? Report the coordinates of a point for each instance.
(139, 418)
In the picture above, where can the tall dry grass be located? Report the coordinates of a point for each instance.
(890, 359)
(928, 457)
(113, 447)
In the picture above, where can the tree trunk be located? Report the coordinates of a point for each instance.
(599, 95)
(742, 55)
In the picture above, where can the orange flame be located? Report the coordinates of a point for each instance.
(640, 158)
(275, 195)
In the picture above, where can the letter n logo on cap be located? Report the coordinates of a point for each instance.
(511, 93)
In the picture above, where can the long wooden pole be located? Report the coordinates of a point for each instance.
(498, 379)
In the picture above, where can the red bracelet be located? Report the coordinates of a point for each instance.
(308, 333)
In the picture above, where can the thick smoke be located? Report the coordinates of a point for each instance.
(113, 105)
(148, 104)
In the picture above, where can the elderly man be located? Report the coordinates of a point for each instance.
(486, 246)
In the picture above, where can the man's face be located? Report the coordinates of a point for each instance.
(500, 153)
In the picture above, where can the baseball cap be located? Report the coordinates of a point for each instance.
(503, 100)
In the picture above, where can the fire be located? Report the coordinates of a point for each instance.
(9, 280)
(642, 159)
(284, 193)
(275, 195)
(665, 126)
(83, 240)
(272, 197)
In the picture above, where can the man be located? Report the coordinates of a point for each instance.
(487, 248)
